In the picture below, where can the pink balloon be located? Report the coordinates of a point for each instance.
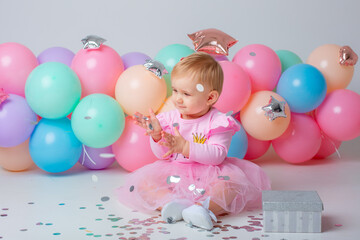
(236, 88)
(300, 142)
(16, 63)
(132, 150)
(98, 70)
(262, 64)
(328, 146)
(256, 148)
(339, 115)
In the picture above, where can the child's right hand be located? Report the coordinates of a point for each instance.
(151, 124)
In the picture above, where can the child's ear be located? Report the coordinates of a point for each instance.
(213, 97)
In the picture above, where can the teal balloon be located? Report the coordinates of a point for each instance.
(53, 90)
(98, 120)
(53, 146)
(170, 56)
(287, 59)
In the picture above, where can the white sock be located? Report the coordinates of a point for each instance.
(199, 216)
(172, 211)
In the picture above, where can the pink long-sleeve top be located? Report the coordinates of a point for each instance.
(209, 136)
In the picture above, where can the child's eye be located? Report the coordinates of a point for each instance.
(174, 90)
(187, 94)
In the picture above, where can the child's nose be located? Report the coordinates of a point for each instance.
(178, 99)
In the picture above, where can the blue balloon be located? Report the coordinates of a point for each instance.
(53, 145)
(239, 144)
(303, 86)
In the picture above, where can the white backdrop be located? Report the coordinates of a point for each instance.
(148, 26)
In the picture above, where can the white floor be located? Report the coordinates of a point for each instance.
(80, 204)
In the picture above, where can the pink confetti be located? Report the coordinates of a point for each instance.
(338, 225)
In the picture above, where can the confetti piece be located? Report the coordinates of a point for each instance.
(3, 215)
(61, 204)
(104, 199)
(82, 228)
(338, 225)
(23, 230)
(94, 178)
(48, 224)
(82, 207)
(56, 234)
(31, 203)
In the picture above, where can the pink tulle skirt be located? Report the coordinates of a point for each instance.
(232, 185)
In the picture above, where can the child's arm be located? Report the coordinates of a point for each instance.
(151, 125)
(213, 151)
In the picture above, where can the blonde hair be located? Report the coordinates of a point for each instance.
(203, 68)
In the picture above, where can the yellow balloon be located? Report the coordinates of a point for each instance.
(258, 125)
(139, 89)
(326, 58)
(167, 106)
(16, 158)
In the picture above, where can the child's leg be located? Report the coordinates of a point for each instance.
(224, 191)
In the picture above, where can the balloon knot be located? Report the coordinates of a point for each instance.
(3, 95)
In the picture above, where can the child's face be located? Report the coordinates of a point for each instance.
(190, 98)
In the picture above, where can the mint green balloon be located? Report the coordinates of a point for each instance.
(170, 56)
(98, 120)
(287, 59)
(53, 90)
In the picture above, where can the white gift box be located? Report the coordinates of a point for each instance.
(292, 211)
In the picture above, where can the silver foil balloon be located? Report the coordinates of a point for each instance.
(156, 67)
(92, 42)
(274, 109)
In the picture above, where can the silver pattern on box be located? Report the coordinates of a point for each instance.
(292, 211)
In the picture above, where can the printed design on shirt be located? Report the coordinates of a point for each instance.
(199, 138)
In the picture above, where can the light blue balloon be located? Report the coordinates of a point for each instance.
(303, 86)
(239, 144)
(53, 145)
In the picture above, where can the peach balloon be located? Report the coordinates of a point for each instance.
(139, 89)
(256, 123)
(326, 58)
(167, 106)
(16, 158)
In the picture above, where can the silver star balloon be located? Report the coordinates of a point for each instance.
(274, 109)
(92, 42)
(156, 67)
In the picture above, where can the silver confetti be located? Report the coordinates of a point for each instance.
(175, 124)
(156, 67)
(151, 126)
(199, 191)
(173, 179)
(107, 155)
(229, 113)
(192, 187)
(131, 188)
(92, 42)
(104, 199)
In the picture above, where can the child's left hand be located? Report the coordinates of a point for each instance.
(176, 143)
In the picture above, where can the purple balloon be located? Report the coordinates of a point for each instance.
(134, 58)
(96, 158)
(17, 121)
(220, 57)
(56, 54)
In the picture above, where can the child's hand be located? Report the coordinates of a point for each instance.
(176, 143)
(151, 125)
